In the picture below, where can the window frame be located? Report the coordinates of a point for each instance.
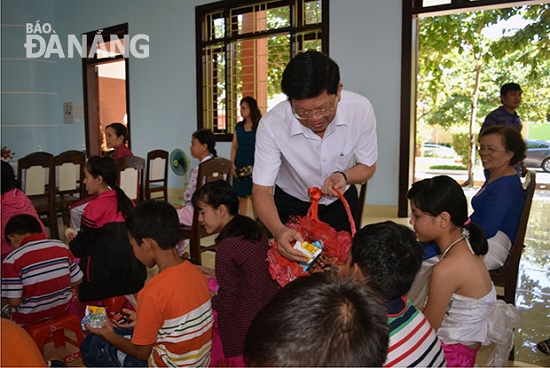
(225, 7)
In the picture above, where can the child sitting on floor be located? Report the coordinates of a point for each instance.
(172, 324)
(38, 275)
(242, 271)
(387, 256)
(462, 305)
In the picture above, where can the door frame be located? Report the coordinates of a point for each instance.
(90, 85)
(411, 10)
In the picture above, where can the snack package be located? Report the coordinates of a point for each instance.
(71, 231)
(310, 250)
(95, 316)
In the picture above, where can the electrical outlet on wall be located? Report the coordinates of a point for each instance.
(67, 112)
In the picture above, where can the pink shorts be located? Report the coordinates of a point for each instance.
(458, 355)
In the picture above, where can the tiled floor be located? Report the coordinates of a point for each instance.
(533, 295)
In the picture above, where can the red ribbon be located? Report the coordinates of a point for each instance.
(315, 195)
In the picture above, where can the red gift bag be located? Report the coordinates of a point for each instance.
(336, 244)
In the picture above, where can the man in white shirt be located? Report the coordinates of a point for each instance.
(322, 136)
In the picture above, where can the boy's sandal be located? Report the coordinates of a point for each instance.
(544, 346)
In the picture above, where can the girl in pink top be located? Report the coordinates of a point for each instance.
(14, 202)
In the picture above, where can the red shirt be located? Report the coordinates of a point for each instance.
(122, 151)
(40, 272)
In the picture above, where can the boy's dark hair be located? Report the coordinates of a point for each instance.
(309, 74)
(106, 168)
(508, 87)
(156, 220)
(205, 136)
(389, 257)
(513, 141)
(120, 130)
(319, 320)
(220, 192)
(9, 181)
(21, 225)
(443, 194)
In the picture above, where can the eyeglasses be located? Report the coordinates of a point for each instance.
(489, 149)
(307, 114)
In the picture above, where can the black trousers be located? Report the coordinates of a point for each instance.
(334, 213)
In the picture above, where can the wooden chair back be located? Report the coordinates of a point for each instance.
(130, 170)
(36, 175)
(507, 275)
(218, 168)
(156, 175)
(68, 169)
(360, 205)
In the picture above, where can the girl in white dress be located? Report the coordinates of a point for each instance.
(462, 305)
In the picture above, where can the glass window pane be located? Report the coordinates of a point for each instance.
(313, 12)
(214, 87)
(245, 50)
(427, 3)
(260, 17)
(215, 26)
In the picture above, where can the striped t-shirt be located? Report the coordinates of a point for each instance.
(40, 273)
(174, 315)
(413, 342)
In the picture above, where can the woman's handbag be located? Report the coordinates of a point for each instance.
(335, 244)
(244, 173)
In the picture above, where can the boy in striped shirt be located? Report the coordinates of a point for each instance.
(388, 256)
(172, 324)
(38, 275)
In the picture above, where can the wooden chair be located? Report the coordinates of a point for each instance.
(507, 275)
(36, 175)
(131, 176)
(68, 169)
(217, 168)
(156, 175)
(361, 205)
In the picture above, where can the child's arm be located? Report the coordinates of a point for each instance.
(125, 345)
(13, 302)
(443, 283)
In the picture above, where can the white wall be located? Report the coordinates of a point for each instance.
(364, 41)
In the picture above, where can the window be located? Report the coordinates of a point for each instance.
(243, 47)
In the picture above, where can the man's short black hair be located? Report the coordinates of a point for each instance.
(319, 321)
(22, 224)
(508, 87)
(309, 74)
(389, 257)
(157, 220)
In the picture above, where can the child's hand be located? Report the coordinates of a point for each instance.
(209, 273)
(100, 331)
(129, 319)
(70, 233)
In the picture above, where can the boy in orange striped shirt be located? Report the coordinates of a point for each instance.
(172, 324)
